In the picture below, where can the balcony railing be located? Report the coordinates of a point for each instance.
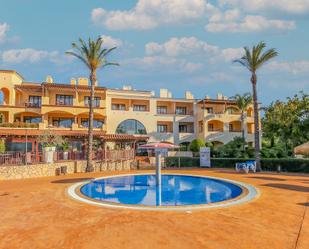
(215, 129)
(175, 113)
(32, 105)
(20, 125)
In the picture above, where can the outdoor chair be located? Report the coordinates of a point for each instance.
(246, 166)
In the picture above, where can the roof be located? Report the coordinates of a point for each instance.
(302, 149)
(69, 133)
(217, 101)
(12, 71)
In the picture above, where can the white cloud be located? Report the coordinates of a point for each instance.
(4, 27)
(294, 67)
(288, 6)
(193, 47)
(180, 46)
(15, 56)
(159, 62)
(110, 42)
(148, 14)
(250, 23)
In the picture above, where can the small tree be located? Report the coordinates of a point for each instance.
(196, 144)
(49, 139)
(2, 146)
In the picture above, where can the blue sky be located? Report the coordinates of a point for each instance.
(176, 44)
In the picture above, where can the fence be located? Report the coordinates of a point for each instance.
(20, 158)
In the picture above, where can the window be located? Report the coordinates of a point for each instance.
(34, 101)
(64, 99)
(140, 108)
(131, 126)
(183, 128)
(231, 128)
(96, 101)
(162, 128)
(97, 123)
(62, 122)
(210, 127)
(121, 107)
(32, 120)
(162, 109)
(209, 110)
(181, 110)
(200, 126)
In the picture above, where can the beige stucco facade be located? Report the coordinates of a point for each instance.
(161, 118)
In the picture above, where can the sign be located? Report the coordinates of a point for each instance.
(205, 157)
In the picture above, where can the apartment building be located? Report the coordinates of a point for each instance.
(120, 115)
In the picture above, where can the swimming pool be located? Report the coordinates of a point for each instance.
(176, 190)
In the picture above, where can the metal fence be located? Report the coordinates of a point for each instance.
(21, 158)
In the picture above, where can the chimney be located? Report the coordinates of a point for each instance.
(83, 81)
(49, 79)
(189, 95)
(219, 96)
(127, 87)
(207, 97)
(164, 93)
(73, 81)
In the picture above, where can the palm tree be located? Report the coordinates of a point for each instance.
(242, 103)
(253, 59)
(93, 55)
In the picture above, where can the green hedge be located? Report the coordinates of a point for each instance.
(268, 164)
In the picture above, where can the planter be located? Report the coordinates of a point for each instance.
(49, 154)
(65, 155)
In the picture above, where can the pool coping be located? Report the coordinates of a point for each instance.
(249, 193)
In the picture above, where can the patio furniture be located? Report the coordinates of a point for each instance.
(246, 166)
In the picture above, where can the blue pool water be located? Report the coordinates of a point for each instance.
(175, 190)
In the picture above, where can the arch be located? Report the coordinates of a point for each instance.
(5, 96)
(95, 114)
(215, 125)
(131, 126)
(235, 126)
(250, 112)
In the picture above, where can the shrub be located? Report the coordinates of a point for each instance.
(268, 164)
(184, 161)
(2, 146)
(196, 144)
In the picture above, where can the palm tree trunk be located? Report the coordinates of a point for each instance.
(256, 124)
(243, 130)
(93, 79)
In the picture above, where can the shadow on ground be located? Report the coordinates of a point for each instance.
(306, 204)
(287, 187)
(267, 178)
(72, 180)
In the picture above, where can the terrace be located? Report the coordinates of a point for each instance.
(272, 219)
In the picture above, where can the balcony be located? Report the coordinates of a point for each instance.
(20, 125)
(32, 105)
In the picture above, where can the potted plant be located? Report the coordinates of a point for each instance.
(65, 147)
(49, 143)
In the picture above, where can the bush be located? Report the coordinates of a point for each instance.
(196, 144)
(184, 161)
(268, 164)
(2, 146)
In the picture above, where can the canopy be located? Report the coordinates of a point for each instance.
(158, 145)
(302, 149)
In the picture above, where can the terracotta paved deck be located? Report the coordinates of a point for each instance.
(37, 213)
